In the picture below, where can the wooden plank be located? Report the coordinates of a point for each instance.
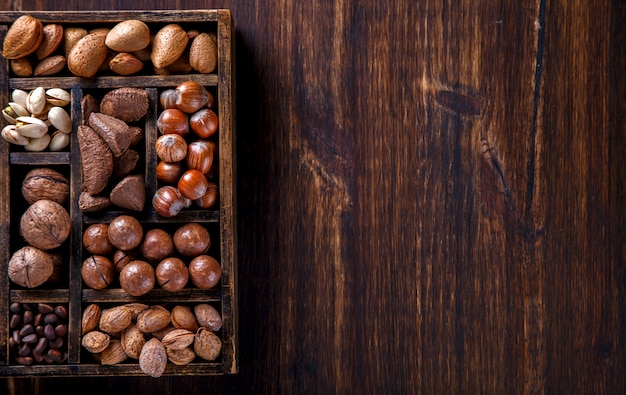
(199, 15)
(111, 82)
(5, 219)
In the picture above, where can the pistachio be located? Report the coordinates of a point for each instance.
(12, 136)
(14, 110)
(31, 127)
(38, 144)
(59, 141)
(19, 96)
(60, 119)
(58, 97)
(36, 100)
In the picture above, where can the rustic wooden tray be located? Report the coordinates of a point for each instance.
(220, 221)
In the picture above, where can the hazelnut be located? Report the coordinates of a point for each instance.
(125, 232)
(172, 274)
(173, 121)
(96, 239)
(167, 98)
(168, 201)
(191, 97)
(204, 123)
(169, 173)
(205, 272)
(193, 184)
(137, 278)
(199, 156)
(157, 245)
(171, 148)
(97, 272)
(192, 239)
(209, 198)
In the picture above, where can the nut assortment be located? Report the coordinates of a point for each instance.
(85, 155)
(153, 335)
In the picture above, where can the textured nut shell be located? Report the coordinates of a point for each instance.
(207, 345)
(180, 357)
(153, 358)
(96, 158)
(127, 104)
(128, 36)
(136, 308)
(23, 37)
(50, 66)
(97, 271)
(208, 316)
(113, 131)
(203, 53)
(71, 36)
(125, 164)
(45, 183)
(87, 55)
(115, 319)
(30, 267)
(133, 341)
(137, 278)
(45, 224)
(52, 39)
(153, 319)
(22, 67)
(88, 105)
(125, 232)
(182, 317)
(95, 341)
(178, 339)
(168, 44)
(91, 318)
(130, 193)
(113, 354)
(91, 204)
(125, 64)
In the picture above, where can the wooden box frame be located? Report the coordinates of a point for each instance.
(76, 295)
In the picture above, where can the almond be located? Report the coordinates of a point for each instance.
(203, 53)
(180, 357)
(169, 43)
(50, 66)
(96, 341)
(113, 354)
(87, 55)
(91, 318)
(115, 319)
(23, 37)
(178, 339)
(207, 345)
(71, 36)
(133, 341)
(153, 358)
(153, 319)
(52, 39)
(21, 67)
(125, 64)
(182, 317)
(136, 308)
(128, 36)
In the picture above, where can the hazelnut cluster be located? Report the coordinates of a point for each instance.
(121, 250)
(153, 335)
(38, 120)
(186, 152)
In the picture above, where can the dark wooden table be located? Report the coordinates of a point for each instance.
(431, 199)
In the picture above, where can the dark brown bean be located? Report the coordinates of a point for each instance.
(37, 356)
(47, 358)
(24, 350)
(42, 344)
(15, 321)
(15, 308)
(12, 342)
(39, 331)
(45, 308)
(28, 317)
(60, 330)
(30, 339)
(38, 319)
(48, 332)
(24, 361)
(51, 319)
(60, 311)
(16, 336)
(56, 355)
(26, 307)
(56, 343)
(27, 330)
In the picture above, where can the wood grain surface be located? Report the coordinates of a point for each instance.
(431, 199)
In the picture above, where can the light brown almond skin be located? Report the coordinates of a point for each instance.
(50, 66)
(153, 358)
(71, 36)
(169, 43)
(203, 53)
(125, 64)
(23, 37)
(52, 39)
(128, 36)
(87, 55)
(22, 67)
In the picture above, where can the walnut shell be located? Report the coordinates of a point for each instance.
(45, 184)
(45, 224)
(30, 267)
(207, 345)
(153, 318)
(115, 319)
(153, 358)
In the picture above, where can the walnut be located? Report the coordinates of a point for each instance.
(45, 183)
(30, 267)
(45, 224)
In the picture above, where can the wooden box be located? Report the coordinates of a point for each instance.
(70, 291)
